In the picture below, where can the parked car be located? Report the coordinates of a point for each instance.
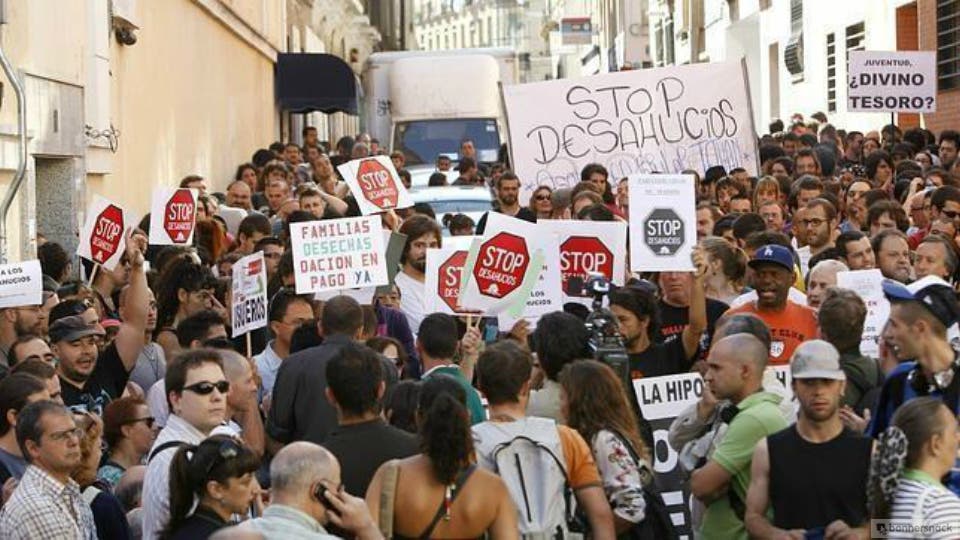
(470, 200)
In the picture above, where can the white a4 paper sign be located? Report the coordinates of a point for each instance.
(663, 222)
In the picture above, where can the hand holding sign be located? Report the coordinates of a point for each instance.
(700, 262)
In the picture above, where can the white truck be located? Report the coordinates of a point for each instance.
(424, 103)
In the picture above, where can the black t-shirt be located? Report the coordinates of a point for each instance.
(674, 319)
(660, 359)
(362, 448)
(524, 214)
(105, 384)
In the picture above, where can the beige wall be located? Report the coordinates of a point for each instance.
(189, 97)
(193, 95)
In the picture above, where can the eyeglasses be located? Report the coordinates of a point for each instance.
(228, 449)
(204, 388)
(149, 420)
(61, 436)
(950, 214)
(545, 197)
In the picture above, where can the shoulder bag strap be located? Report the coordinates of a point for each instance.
(388, 493)
(165, 446)
(442, 510)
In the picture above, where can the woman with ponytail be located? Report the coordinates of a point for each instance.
(217, 475)
(441, 493)
(728, 266)
(910, 458)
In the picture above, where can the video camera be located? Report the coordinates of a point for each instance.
(605, 339)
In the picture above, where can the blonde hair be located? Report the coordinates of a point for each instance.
(92, 427)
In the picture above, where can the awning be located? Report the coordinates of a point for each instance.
(308, 82)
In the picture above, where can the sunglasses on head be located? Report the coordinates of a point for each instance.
(204, 388)
(227, 450)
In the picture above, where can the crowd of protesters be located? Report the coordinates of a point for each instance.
(127, 410)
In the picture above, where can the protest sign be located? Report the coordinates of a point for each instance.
(375, 184)
(338, 254)
(663, 222)
(173, 216)
(666, 120)
(444, 275)
(661, 400)
(21, 284)
(249, 294)
(393, 242)
(868, 284)
(502, 266)
(589, 246)
(103, 236)
(546, 296)
(892, 81)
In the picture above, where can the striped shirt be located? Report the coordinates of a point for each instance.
(42, 507)
(921, 501)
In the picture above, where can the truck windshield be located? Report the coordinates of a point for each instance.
(421, 141)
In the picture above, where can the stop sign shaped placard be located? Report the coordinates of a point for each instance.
(580, 255)
(107, 233)
(663, 232)
(179, 216)
(501, 264)
(377, 184)
(451, 273)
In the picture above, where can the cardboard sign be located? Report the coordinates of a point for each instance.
(103, 237)
(546, 296)
(338, 254)
(868, 284)
(502, 267)
(663, 222)
(632, 122)
(21, 284)
(173, 216)
(589, 246)
(375, 184)
(444, 277)
(662, 399)
(249, 294)
(892, 81)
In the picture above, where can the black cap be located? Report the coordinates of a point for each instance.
(72, 328)
(937, 297)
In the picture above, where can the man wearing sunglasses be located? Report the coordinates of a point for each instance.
(91, 377)
(197, 396)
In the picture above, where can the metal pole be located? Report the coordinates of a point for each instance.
(22, 149)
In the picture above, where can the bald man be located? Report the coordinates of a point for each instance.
(822, 277)
(243, 413)
(735, 369)
(306, 494)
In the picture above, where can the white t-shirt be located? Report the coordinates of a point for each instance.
(412, 293)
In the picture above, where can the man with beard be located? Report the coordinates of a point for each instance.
(735, 372)
(638, 318)
(16, 322)
(91, 378)
(790, 323)
(856, 207)
(831, 503)
(508, 195)
(674, 306)
(820, 221)
(893, 255)
(422, 234)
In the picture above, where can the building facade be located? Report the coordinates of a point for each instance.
(795, 51)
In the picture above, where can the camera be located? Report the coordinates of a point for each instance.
(605, 339)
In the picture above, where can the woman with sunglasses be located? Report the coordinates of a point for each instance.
(218, 474)
(108, 513)
(540, 203)
(129, 434)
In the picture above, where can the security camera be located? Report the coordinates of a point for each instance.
(126, 36)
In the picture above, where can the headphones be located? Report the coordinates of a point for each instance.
(923, 385)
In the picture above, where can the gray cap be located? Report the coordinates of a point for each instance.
(72, 328)
(816, 359)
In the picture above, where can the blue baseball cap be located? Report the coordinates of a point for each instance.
(933, 293)
(773, 254)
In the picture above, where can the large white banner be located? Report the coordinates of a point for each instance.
(664, 120)
(663, 222)
(892, 81)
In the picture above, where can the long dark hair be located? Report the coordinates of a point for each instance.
(182, 274)
(218, 458)
(597, 401)
(900, 447)
(445, 435)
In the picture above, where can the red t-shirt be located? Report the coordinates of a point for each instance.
(789, 327)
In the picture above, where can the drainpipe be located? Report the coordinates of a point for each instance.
(11, 192)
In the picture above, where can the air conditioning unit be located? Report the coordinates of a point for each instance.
(793, 55)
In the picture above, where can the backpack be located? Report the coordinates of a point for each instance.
(528, 456)
(869, 391)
